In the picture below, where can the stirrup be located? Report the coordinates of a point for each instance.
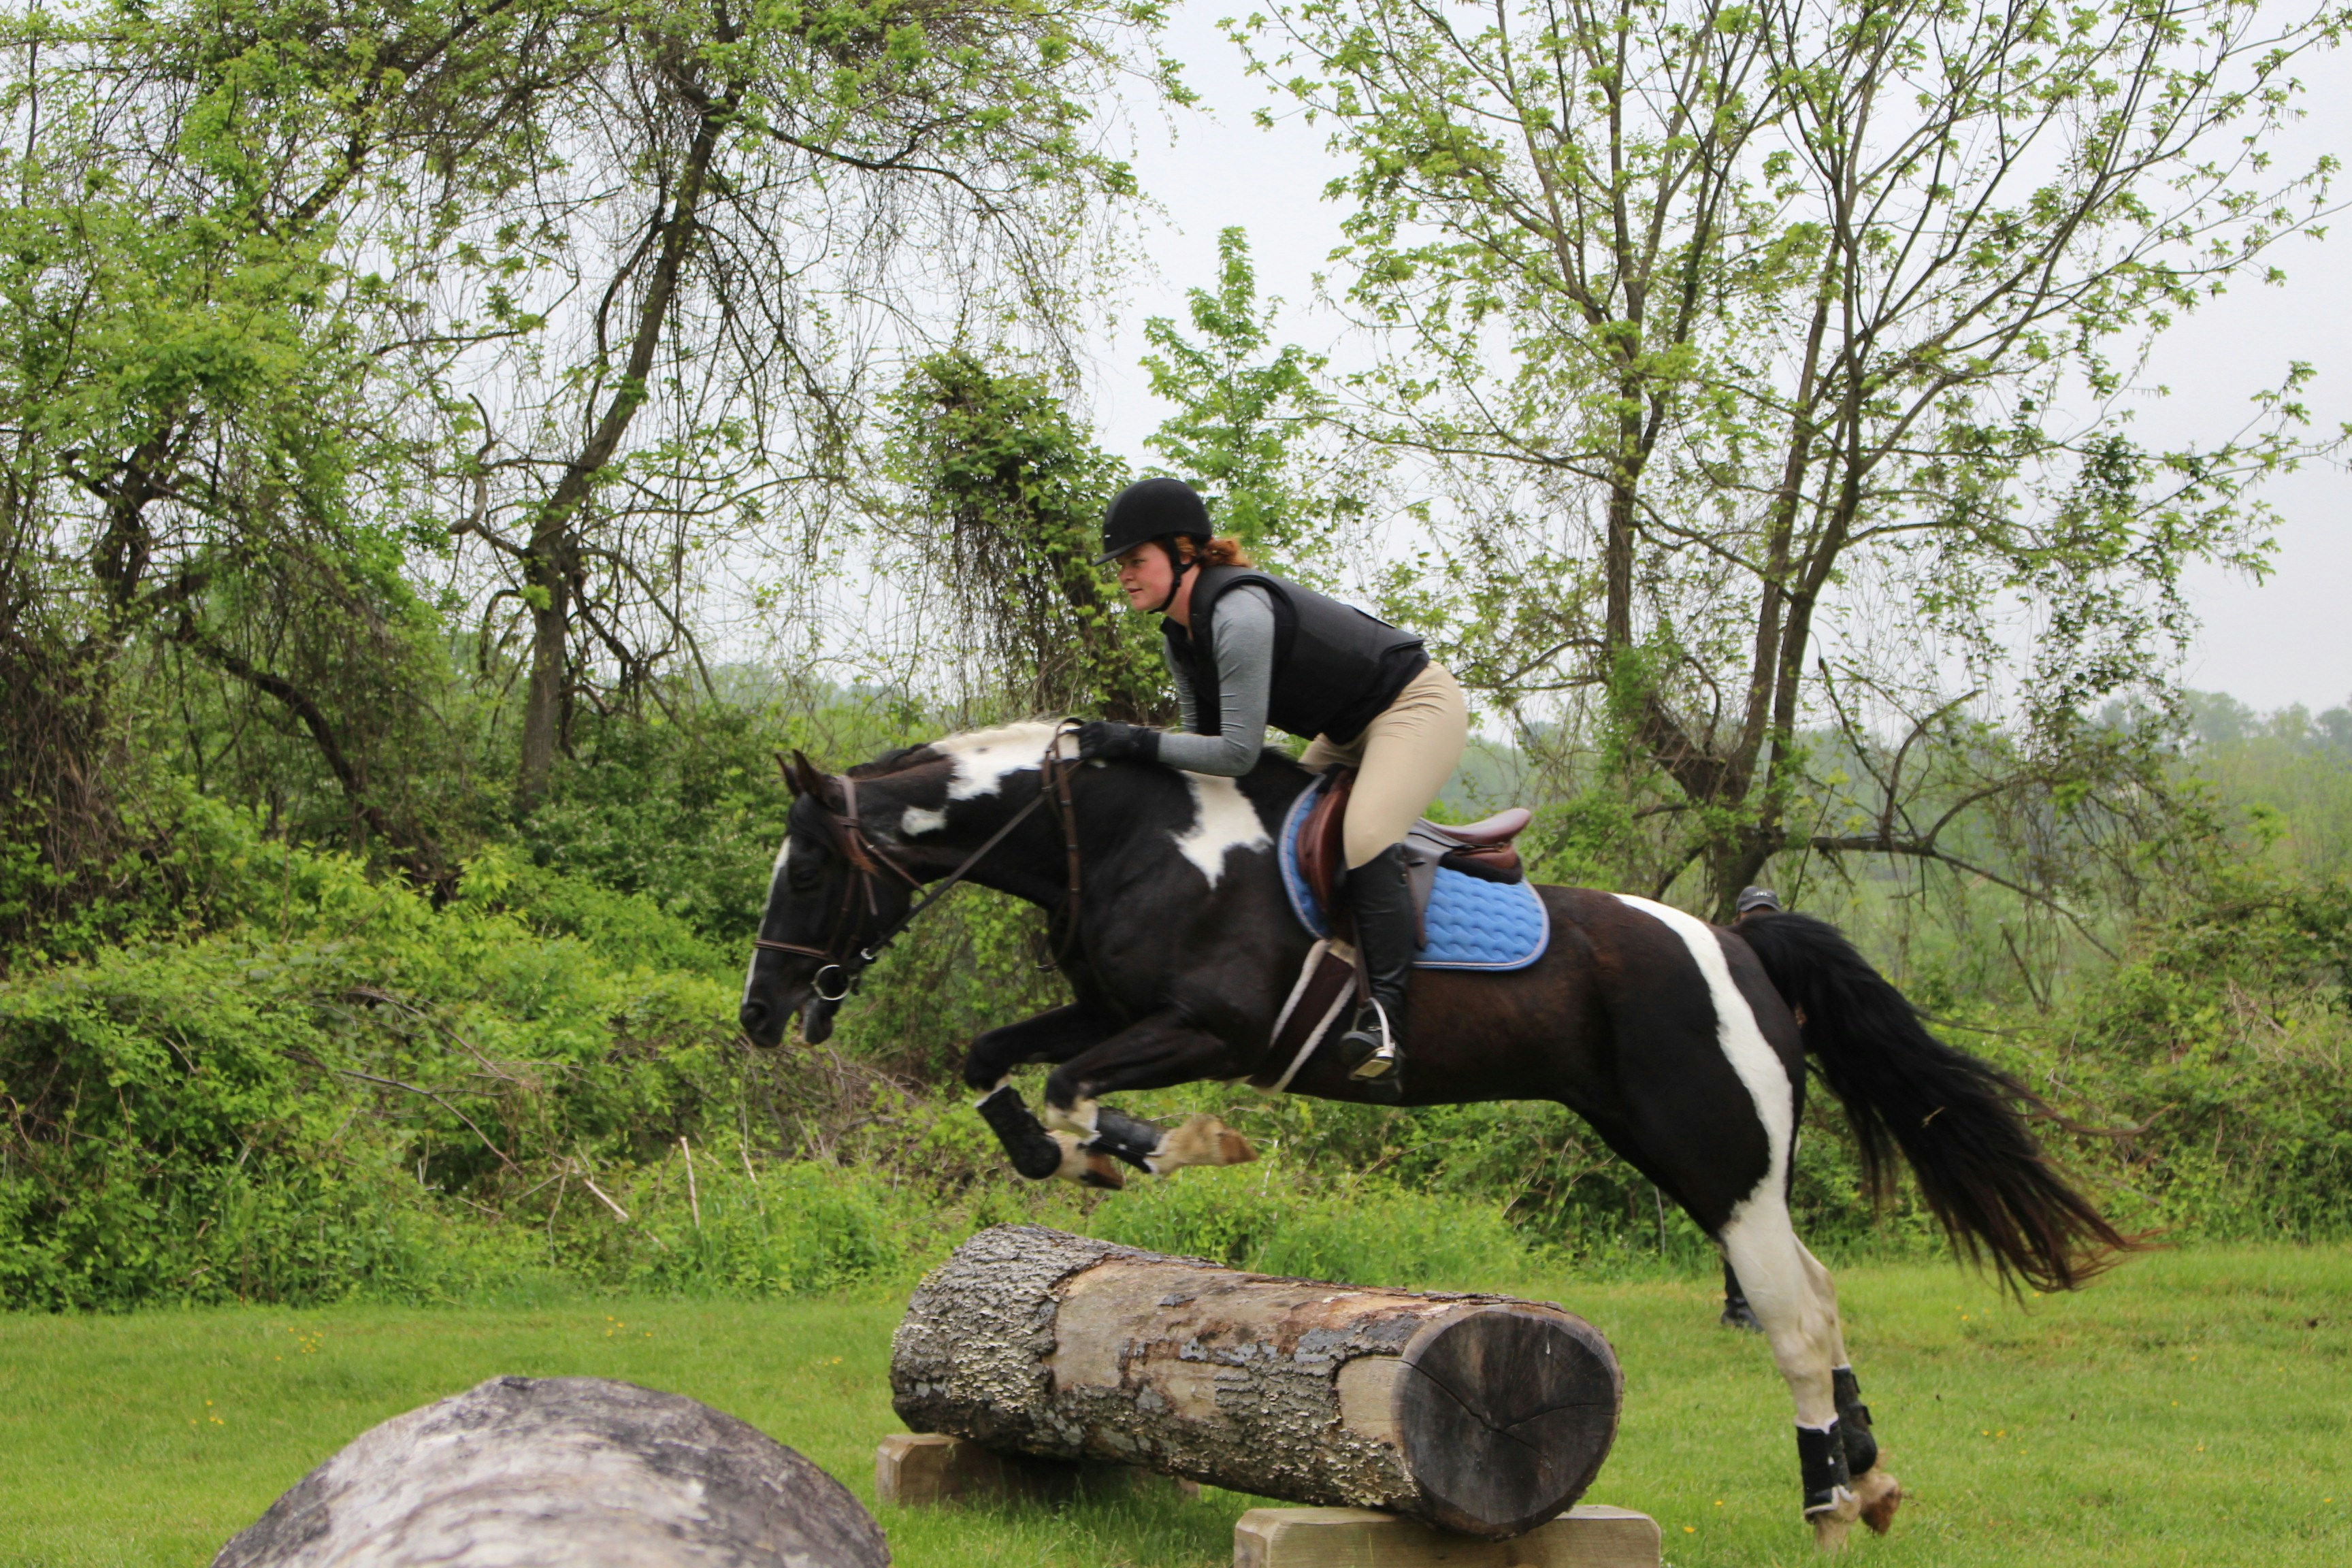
(1370, 1048)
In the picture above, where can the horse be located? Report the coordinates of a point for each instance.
(1683, 1044)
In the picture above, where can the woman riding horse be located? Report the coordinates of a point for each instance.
(1244, 649)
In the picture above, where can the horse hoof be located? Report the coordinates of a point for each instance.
(1203, 1139)
(1881, 1495)
(1830, 1531)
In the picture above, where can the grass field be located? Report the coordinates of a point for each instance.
(2195, 1408)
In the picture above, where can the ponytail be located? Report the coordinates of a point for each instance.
(1222, 550)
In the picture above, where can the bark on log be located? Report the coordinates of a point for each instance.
(1480, 1414)
(576, 1470)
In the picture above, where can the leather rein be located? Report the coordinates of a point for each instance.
(868, 861)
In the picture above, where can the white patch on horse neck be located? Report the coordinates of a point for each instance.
(922, 819)
(1737, 1033)
(1224, 821)
(982, 759)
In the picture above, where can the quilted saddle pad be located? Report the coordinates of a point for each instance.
(1471, 923)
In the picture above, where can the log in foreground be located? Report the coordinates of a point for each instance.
(571, 1471)
(1480, 1414)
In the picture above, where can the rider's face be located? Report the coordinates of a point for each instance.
(1146, 574)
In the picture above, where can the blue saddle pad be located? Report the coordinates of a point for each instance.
(1472, 923)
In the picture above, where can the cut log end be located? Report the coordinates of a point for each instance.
(1504, 1415)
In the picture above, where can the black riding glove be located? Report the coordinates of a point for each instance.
(1109, 741)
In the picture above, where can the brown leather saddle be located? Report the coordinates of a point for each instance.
(1480, 849)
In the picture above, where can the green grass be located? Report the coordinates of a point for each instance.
(2190, 1409)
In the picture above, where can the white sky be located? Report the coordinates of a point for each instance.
(2287, 640)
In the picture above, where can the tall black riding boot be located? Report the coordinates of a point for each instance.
(1381, 896)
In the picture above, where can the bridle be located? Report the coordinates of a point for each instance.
(844, 957)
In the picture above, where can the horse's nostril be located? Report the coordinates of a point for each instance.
(751, 1016)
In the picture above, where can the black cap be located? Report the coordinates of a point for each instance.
(1149, 509)
(1753, 898)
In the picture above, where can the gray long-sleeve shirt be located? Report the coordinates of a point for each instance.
(1245, 646)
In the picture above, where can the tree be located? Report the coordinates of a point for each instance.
(1239, 428)
(189, 389)
(750, 208)
(1779, 350)
(1002, 502)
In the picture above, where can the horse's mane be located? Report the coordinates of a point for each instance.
(1030, 733)
(889, 762)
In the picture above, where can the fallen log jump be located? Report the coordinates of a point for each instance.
(1479, 1413)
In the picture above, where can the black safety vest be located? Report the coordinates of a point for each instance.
(1335, 667)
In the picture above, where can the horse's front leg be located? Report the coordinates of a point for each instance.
(1159, 1052)
(1054, 1037)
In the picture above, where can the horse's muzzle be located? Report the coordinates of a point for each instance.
(763, 1026)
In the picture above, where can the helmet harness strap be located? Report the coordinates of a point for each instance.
(1176, 578)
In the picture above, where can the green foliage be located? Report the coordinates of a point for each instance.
(1344, 1227)
(1239, 430)
(1004, 498)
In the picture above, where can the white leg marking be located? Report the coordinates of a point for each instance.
(1088, 1167)
(1758, 1238)
(1079, 1119)
(1223, 820)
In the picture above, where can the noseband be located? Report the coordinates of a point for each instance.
(844, 959)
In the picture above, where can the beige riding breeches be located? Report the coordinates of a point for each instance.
(1403, 760)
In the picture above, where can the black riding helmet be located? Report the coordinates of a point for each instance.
(1149, 509)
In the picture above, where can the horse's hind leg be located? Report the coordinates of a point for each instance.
(1878, 1492)
(1791, 1296)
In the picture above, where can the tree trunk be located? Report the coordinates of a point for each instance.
(553, 553)
(1477, 1412)
(542, 708)
(575, 1471)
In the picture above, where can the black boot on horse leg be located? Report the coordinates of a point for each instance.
(1038, 1154)
(1199, 1139)
(1388, 937)
(1878, 1492)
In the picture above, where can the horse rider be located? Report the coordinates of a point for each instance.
(1245, 648)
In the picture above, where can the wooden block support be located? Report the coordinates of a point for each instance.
(1583, 1537)
(922, 1470)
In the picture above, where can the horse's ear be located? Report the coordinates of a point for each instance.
(791, 780)
(812, 782)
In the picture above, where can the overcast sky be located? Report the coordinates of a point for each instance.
(2288, 640)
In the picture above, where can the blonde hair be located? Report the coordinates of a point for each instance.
(1222, 551)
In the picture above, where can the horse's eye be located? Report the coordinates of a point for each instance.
(804, 873)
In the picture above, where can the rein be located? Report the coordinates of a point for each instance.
(867, 860)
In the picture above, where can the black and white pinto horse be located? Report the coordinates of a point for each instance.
(1682, 1043)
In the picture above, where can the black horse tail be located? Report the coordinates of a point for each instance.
(1960, 1122)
